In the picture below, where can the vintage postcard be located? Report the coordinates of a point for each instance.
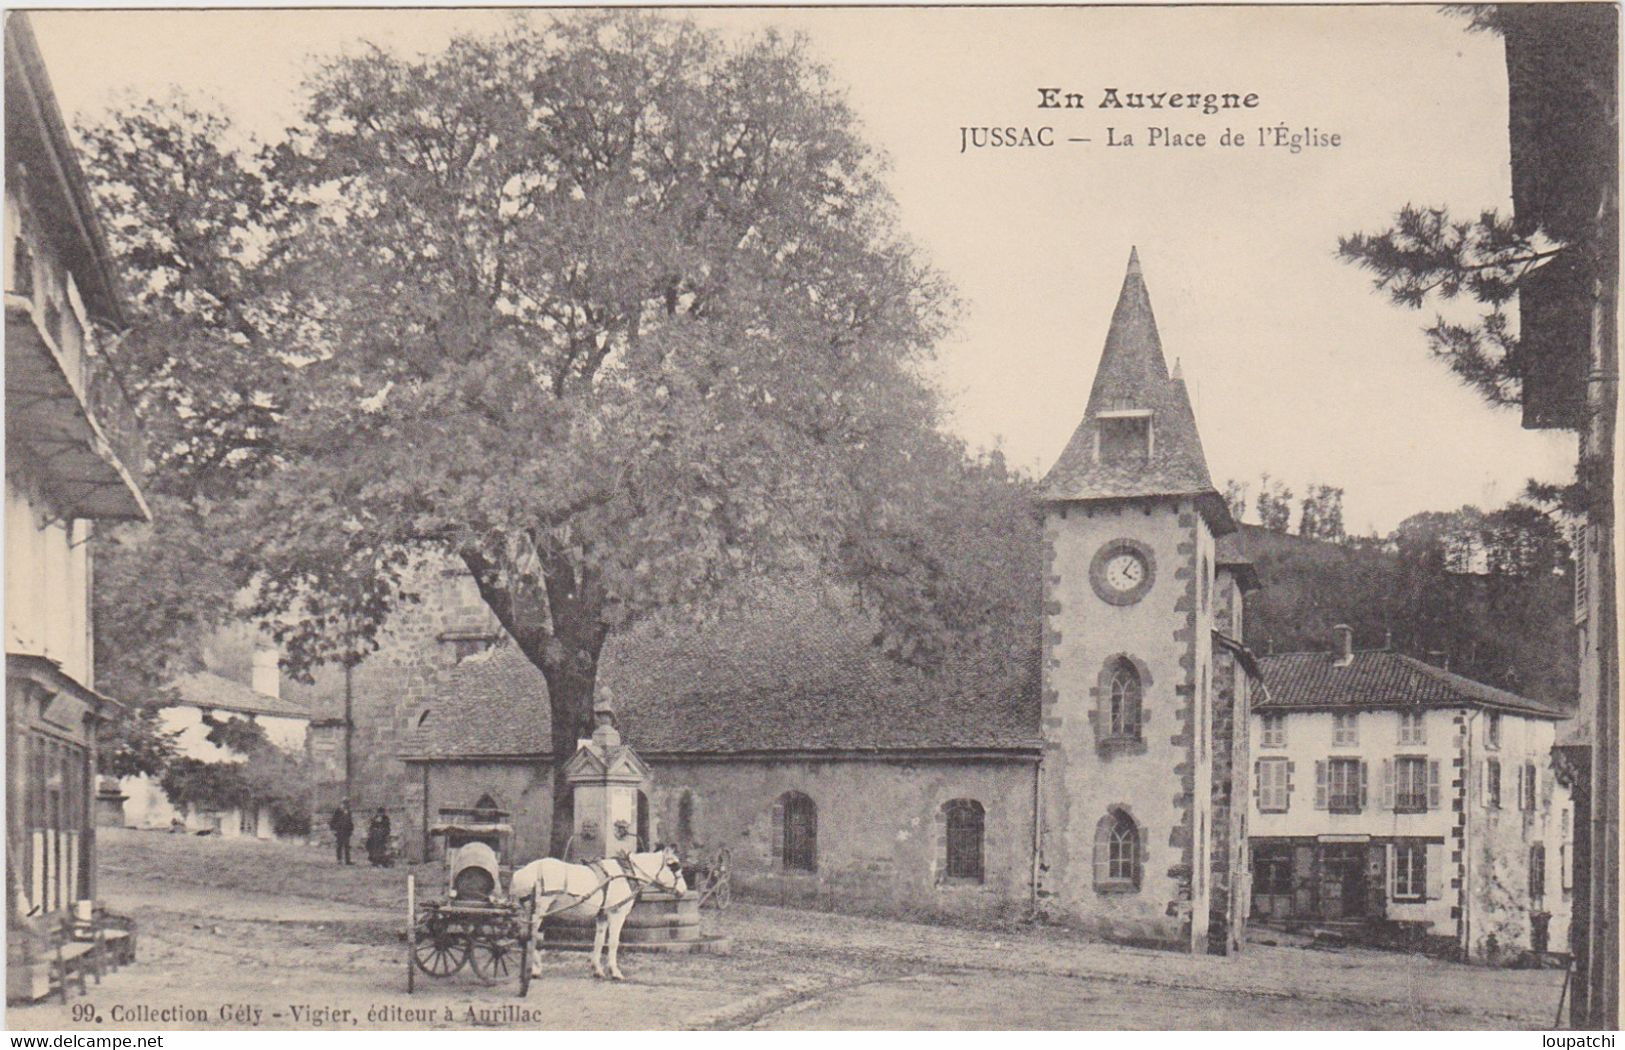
(971, 518)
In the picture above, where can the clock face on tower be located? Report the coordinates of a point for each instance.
(1122, 571)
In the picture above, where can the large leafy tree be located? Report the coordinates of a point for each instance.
(608, 310)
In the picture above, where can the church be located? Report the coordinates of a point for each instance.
(1104, 789)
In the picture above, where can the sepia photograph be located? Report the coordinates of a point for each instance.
(968, 518)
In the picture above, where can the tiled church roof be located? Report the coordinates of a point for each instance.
(790, 673)
(1380, 678)
(1133, 375)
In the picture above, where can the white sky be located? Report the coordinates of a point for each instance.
(1296, 367)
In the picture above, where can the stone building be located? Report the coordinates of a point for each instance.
(829, 773)
(362, 717)
(1394, 798)
(1096, 790)
(68, 466)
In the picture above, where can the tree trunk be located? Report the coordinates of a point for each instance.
(565, 649)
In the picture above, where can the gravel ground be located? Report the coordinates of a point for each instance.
(266, 935)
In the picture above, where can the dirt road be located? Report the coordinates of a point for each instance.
(260, 935)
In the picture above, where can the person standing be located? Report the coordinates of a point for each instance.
(378, 838)
(343, 827)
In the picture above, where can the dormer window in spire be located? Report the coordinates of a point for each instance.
(1123, 436)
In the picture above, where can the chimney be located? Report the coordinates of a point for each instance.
(267, 677)
(1342, 645)
(1387, 639)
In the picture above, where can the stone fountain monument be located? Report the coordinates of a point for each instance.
(606, 777)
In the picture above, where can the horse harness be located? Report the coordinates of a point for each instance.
(634, 878)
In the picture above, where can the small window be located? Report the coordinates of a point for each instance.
(1124, 701)
(1492, 730)
(1345, 729)
(1492, 783)
(1410, 728)
(964, 819)
(1273, 794)
(1410, 870)
(1537, 873)
(1527, 782)
(1118, 854)
(1345, 784)
(1125, 439)
(1274, 731)
(1565, 865)
(798, 849)
(1410, 784)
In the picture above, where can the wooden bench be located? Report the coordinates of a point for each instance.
(60, 949)
(51, 957)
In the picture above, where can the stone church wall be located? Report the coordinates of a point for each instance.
(880, 830)
(880, 841)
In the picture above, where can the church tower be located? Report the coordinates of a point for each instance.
(1130, 522)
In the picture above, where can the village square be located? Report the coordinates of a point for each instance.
(504, 550)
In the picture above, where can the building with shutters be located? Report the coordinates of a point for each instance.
(70, 457)
(1391, 794)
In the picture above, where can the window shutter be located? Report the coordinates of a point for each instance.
(1421, 727)
(1435, 872)
(1391, 850)
(1523, 788)
(1287, 798)
(1433, 784)
(1388, 783)
(1484, 783)
(1320, 784)
(1258, 766)
(1362, 783)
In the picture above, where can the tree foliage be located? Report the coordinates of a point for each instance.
(198, 227)
(1442, 585)
(609, 310)
(136, 744)
(1428, 254)
(1320, 516)
(1274, 504)
(241, 735)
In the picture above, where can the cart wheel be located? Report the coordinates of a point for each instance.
(724, 890)
(493, 957)
(437, 948)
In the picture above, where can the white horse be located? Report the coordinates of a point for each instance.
(609, 887)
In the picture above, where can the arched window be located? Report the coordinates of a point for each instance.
(1119, 853)
(963, 819)
(798, 843)
(1123, 700)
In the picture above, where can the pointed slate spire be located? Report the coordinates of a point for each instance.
(1132, 380)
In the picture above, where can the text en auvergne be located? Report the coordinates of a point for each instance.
(1208, 102)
